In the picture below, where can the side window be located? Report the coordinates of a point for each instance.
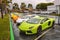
(45, 19)
(42, 21)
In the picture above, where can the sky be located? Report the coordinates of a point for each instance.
(33, 2)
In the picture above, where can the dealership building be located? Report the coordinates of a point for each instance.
(51, 8)
(55, 7)
(57, 3)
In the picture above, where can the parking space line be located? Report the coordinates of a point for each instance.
(42, 34)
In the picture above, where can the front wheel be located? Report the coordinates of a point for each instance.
(39, 31)
(18, 24)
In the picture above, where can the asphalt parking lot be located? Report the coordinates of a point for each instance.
(53, 34)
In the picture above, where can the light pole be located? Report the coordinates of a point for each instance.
(59, 16)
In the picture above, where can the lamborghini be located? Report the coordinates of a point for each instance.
(36, 25)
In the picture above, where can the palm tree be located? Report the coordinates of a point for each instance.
(6, 2)
(16, 6)
(3, 6)
(30, 7)
(23, 7)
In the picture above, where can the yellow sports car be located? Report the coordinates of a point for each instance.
(14, 16)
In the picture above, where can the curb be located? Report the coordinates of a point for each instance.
(11, 31)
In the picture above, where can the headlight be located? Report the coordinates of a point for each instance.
(31, 27)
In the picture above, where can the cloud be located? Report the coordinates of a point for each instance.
(49, 0)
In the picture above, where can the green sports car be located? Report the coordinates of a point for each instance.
(36, 25)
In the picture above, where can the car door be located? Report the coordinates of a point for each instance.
(44, 24)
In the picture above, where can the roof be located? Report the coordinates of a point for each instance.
(39, 17)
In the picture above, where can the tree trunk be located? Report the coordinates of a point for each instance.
(1, 13)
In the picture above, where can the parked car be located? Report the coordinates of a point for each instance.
(36, 25)
(15, 16)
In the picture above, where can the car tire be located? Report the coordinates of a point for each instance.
(18, 24)
(39, 30)
(20, 33)
(53, 25)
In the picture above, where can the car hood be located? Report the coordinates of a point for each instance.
(20, 20)
(26, 26)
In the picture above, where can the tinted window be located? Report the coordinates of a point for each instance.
(34, 21)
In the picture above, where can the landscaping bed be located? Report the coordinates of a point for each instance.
(4, 28)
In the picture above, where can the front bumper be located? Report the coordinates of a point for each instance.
(27, 32)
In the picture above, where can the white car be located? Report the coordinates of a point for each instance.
(24, 18)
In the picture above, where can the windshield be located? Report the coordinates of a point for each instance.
(34, 21)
